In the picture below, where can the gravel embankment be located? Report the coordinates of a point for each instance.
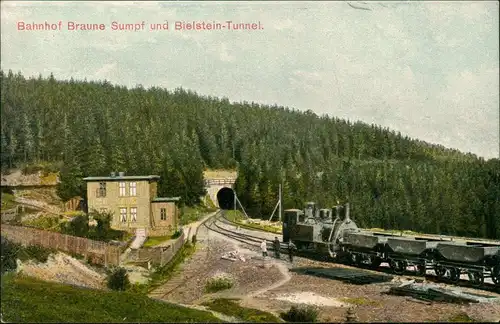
(249, 275)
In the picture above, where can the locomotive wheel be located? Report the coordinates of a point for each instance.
(440, 272)
(375, 262)
(359, 260)
(476, 278)
(398, 266)
(454, 274)
(495, 275)
(421, 269)
(353, 259)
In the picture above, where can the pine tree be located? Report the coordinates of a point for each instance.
(12, 148)
(28, 139)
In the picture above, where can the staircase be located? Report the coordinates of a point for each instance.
(140, 238)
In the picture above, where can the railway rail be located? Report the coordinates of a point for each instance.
(250, 240)
(179, 283)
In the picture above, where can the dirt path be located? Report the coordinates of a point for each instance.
(284, 271)
(282, 267)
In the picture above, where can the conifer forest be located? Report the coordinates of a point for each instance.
(391, 181)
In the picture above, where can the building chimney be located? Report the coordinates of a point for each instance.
(121, 174)
(113, 174)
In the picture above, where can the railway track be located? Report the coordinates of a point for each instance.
(175, 283)
(384, 268)
(252, 242)
(249, 240)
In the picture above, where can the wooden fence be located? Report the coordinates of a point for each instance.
(157, 255)
(98, 252)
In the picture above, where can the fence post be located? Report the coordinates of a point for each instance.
(85, 247)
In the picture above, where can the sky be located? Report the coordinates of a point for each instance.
(427, 69)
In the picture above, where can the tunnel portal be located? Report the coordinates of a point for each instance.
(225, 198)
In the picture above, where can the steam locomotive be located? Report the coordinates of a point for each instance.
(332, 233)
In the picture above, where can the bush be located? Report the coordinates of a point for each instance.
(118, 279)
(78, 226)
(12, 251)
(9, 255)
(46, 222)
(218, 283)
(103, 224)
(176, 234)
(35, 252)
(301, 314)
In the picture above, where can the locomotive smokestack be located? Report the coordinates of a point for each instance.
(347, 212)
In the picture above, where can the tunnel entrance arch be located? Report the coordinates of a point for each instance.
(226, 198)
(214, 186)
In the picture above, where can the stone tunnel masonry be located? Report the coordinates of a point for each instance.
(219, 185)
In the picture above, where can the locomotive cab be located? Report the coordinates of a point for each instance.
(290, 218)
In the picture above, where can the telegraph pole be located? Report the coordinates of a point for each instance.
(278, 204)
(279, 215)
(234, 193)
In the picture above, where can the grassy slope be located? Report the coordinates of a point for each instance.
(237, 217)
(26, 299)
(193, 214)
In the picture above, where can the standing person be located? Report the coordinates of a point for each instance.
(263, 247)
(291, 250)
(277, 247)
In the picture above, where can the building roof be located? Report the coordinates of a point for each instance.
(165, 199)
(121, 178)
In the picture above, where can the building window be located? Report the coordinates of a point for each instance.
(133, 188)
(123, 215)
(133, 214)
(122, 189)
(102, 189)
(163, 213)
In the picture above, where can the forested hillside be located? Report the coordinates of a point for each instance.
(392, 181)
